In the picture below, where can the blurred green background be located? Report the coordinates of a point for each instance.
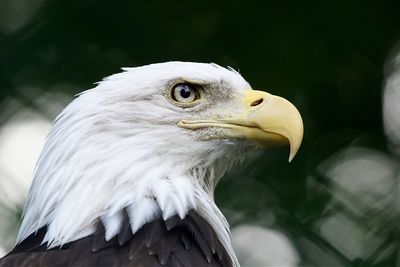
(337, 204)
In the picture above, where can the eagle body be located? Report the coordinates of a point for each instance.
(128, 170)
(176, 242)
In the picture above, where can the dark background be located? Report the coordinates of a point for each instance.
(326, 57)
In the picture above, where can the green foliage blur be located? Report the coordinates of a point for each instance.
(326, 57)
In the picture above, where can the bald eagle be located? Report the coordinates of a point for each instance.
(128, 171)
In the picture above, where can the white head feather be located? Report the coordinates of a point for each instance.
(118, 146)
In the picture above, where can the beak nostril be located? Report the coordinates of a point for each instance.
(257, 102)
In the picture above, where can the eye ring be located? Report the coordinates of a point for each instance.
(185, 93)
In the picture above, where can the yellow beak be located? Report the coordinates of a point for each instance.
(267, 121)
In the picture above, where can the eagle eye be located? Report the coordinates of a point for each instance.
(184, 93)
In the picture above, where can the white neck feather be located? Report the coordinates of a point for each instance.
(71, 190)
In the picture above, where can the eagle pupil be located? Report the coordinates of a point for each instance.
(185, 92)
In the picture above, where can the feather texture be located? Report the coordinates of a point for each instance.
(187, 242)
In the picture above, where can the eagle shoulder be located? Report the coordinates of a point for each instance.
(188, 242)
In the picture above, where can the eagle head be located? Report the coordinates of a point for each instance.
(152, 141)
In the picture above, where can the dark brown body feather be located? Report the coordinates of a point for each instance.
(190, 242)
